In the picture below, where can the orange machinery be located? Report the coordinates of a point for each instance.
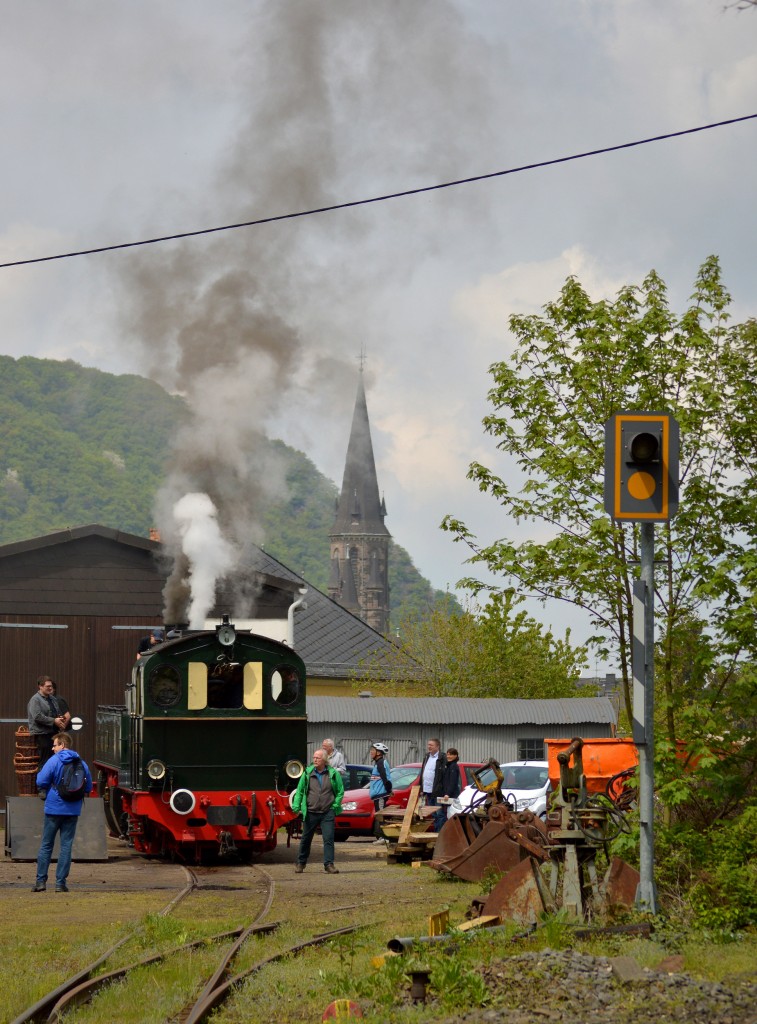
(602, 759)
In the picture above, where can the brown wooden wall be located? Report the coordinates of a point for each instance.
(89, 659)
(74, 605)
(92, 573)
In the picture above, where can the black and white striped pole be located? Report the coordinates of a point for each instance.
(641, 486)
(639, 659)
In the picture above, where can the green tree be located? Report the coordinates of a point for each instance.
(493, 651)
(571, 369)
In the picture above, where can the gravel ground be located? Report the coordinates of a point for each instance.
(569, 986)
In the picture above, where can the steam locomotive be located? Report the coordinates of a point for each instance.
(201, 759)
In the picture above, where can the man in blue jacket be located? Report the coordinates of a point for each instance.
(61, 816)
(318, 798)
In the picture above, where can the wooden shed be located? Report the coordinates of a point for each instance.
(74, 605)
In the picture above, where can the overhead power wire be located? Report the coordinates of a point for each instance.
(377, 199)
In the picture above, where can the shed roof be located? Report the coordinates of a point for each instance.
(462, 710)
(329, 638)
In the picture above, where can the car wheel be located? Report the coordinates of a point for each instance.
(341, 837)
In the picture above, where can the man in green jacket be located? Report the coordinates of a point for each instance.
(318, 798)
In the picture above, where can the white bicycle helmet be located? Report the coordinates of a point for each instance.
(381, 747)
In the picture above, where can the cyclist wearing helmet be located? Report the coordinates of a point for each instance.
(381, 783)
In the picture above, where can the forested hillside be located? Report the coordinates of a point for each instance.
(79, 446)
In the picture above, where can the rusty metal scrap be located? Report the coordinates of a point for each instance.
(544, 866)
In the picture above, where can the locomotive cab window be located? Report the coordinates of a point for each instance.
(225, 685)
(164, 686)
(285, 685)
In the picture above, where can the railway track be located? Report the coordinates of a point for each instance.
(82, 987)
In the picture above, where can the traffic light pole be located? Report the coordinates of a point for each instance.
(646, 894)
(641, 486)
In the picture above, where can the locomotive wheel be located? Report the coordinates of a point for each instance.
(112, 806)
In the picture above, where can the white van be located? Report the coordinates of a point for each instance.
(525, 786)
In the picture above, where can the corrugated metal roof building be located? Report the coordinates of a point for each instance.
(479, 728)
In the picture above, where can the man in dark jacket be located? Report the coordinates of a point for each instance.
(44, 717)
(432, 771)
(318, 798)
(451, 786)
(155, 636)
(61, 816)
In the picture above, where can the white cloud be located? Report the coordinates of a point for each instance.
(133, 120)
(487, 304)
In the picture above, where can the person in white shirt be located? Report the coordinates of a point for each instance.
(432, 772)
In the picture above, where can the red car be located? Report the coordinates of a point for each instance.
(358, 817)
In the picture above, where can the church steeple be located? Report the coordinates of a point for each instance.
(359, 539)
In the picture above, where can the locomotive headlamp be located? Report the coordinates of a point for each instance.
(182, 801)
(156, 770)
(294, 769)
(225, 632)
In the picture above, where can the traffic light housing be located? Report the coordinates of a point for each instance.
(641, 466)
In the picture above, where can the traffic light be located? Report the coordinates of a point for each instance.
(641, 466)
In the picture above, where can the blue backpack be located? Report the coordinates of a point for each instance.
(73, 781)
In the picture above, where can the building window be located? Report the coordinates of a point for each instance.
(531, 750)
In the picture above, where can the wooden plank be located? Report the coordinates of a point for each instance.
(407, 821)
(485, 921)
(438, 923)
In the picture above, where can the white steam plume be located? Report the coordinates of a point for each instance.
(207, 553)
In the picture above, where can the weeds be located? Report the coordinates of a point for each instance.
(157, 931)
(490, 878)
(555, 930)
(457, 985)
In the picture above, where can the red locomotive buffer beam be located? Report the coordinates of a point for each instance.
(191, 822)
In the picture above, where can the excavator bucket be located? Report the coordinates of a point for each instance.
(491, 849)
(517, 896)
(620, 883)
(454, 838)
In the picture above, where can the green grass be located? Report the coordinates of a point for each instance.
(46, 941)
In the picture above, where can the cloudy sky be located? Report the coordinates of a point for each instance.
(123, 121)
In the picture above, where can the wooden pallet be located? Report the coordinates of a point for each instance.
(413, 841)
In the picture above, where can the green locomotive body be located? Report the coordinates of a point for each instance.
(203, 756)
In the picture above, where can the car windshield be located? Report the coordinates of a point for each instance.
(404, 775)
(524, 776)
